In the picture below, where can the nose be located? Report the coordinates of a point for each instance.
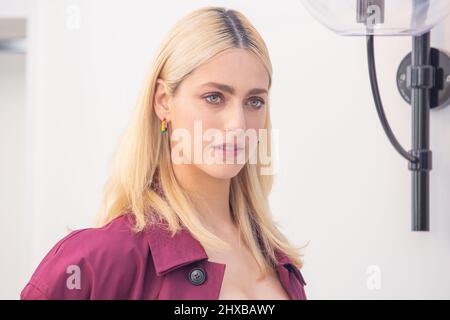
(235, 119)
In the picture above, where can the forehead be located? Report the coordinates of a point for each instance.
(238, 68)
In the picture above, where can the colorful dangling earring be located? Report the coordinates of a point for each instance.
(164, 125)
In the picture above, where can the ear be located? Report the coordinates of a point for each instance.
(161, 100)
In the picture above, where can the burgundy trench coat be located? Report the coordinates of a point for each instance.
(112, 262)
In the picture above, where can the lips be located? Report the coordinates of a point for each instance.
(228, 147)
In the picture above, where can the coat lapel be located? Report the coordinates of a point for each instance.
(174, 257)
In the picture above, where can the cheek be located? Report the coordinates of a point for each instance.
(255, 130)
(194, 121)
(183, 117)
(256, 120)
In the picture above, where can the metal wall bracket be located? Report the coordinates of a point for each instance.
(424, 160)
(439, 79)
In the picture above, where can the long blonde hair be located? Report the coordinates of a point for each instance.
(142, 155)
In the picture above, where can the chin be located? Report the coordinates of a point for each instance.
(222, 171)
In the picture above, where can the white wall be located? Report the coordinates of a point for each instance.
(14, 226)
(351, 189)
(12, 157)
(340, 186)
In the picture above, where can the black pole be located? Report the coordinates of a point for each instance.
(421, 75)
(420, 78)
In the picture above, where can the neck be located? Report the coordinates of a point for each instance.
(210, 195)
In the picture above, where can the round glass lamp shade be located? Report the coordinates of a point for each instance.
(379, 17)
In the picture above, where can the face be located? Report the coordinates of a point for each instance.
(224, 101)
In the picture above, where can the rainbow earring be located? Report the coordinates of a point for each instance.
(164, 125)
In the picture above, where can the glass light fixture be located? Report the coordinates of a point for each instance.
(423, 76)
(379, 17)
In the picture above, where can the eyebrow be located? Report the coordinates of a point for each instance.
(231, 90)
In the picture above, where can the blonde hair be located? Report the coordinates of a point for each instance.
(142, 155)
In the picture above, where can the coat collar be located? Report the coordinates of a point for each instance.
(170, 253)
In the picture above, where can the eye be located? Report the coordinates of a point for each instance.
(256, 103)
(213, 98)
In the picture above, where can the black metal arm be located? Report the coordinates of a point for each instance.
(379, 105)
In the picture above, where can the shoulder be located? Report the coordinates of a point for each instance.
(86, 257)
(114, 239)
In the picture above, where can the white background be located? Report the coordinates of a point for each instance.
(340, 186)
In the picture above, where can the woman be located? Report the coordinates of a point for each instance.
(179, 220)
